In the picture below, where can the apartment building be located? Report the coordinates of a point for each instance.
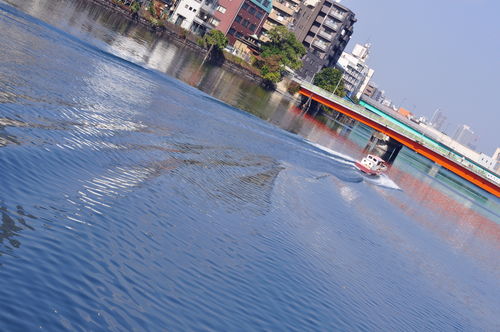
(356, 73)
(195, 16)
(283, 13)
(249, 19)
(324, 27)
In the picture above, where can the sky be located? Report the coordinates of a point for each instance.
(436, 54)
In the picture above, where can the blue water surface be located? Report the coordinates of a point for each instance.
(131, 201)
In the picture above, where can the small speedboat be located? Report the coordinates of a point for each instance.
(371, 165)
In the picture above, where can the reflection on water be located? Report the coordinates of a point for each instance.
(459, 224)
(12, 225)
(159, 206)
(137, 44)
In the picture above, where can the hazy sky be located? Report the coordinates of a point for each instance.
(437, 54)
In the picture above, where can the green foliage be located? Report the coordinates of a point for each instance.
(270, 68)
(154, 21)
(135, 6)
(283, 43)
(214, 39)
(330, 79)
(272, 76)
(282, 50)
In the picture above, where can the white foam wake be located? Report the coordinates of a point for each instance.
(383, 181)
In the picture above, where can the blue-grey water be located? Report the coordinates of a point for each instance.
(132, 201)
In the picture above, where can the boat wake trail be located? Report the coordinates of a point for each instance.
(383, 181)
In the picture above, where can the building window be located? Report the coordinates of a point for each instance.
(238, 34)
(238, 18)
(245, 6)
(259, 14)
(251, 10)
(221, 9)
(232, 31)
(215, 22)
(253, 27)
(179, 20)
(266, 3)
(245, 23)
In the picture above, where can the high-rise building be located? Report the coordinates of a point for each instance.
(438, 120)
(466, 136)
(324, 27)
(356, 73)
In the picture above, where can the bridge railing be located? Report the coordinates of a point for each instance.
(400, 130)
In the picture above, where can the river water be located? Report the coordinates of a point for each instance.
(142, 191)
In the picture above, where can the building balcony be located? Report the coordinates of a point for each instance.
(203, 21)
(208, 8)
(309, 39)
(321, 45)
(276, 17)
(319, 19)
(336, 15)
(314, 29)
(284, 7)
(331, 24)
(268, 25)
(326, 35)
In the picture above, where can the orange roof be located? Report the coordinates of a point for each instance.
(404, 112)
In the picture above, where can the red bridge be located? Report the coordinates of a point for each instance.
(440, 155)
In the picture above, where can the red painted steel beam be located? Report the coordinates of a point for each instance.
(410, 143)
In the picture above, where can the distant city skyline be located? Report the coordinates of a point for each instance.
(429, 55)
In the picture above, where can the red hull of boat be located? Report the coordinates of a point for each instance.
(363, 169)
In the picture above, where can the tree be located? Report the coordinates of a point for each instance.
(283, 49)
(330, 79)
(214, 41)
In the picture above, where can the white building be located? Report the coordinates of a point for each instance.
(195, 16)
(486, 161)
(357, 74)
(466, 136)
(438, 120)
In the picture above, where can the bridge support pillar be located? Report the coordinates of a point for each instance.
(383, 146)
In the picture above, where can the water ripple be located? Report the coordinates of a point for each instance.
(133, 202)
